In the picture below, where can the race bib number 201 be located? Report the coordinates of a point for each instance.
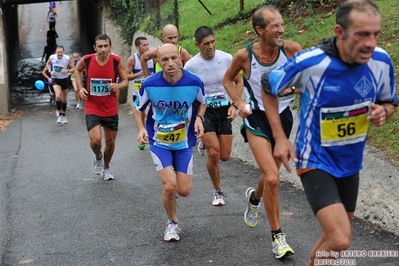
(344, 125)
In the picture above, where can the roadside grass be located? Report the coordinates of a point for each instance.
(308, 31)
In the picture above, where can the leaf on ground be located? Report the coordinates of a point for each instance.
(5, 120)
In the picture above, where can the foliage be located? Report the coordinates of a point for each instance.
(307, 22)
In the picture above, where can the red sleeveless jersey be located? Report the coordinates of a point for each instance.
(101, 101)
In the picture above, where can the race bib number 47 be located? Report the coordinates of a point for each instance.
(171, 134)
(344, 125)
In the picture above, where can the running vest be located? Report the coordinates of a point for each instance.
(252, 84)
(137, 66)
(51, 16)
(157, 66)
(100, 100)
(57, 65)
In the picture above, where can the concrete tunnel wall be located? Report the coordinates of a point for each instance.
(90, 23)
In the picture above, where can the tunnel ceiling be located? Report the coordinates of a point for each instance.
(19, 2)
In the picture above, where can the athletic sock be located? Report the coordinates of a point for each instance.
(253, 200)
(276, 233)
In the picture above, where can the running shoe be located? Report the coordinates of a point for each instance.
(59, 119)
(53, 102)
(107, 176)
(57, 113)
(201, 148)
(78, 105)
(218, 199)
(64, 119)
(97, 166)
(280, 246)
(251, 213)
(172, 232)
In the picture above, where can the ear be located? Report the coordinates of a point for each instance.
(94, 47)
(197, 44)
(339, 31)
(258, 29)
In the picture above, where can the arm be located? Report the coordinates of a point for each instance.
(129, 69)
(150, 54)
(291, 48)
(198, 125)
(234, 91)
(283, 149)
(44, 73)
(142, 136)
(80, 68)
(239, 84)
(122, 76)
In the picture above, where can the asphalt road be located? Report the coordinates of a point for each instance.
(55, 211)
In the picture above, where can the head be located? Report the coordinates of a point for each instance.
(170, 34)
(59, 51)
(141, 44)
(358, 28)
(269, 25)
(205, 41)
(168, 58)
(75, 56)
(102, 45)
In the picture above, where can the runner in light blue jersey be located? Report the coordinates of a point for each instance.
(174, 122)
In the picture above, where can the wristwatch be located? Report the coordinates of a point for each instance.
(293, 89)
(202, 118)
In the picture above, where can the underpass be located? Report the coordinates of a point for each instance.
(87, 21)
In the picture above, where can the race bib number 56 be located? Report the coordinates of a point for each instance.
(344, 125)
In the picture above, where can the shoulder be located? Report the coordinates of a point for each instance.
(191, 76)
(291, 48)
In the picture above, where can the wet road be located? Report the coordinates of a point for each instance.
(54, 211)
(33, 29)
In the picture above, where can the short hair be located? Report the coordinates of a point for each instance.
(102, 37)
(60, 46)
(258, 19)
(344, 11)
(138, 40)
(202, 32)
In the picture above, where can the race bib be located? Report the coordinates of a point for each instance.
(171, 134)
(73, 75)
(344, 125)
(57, 69)
(99, 87)
(137, 85)
(216, 100)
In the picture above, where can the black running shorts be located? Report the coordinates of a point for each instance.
(323, 189)
(110, 122)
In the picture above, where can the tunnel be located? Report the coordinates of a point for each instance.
(89, 20)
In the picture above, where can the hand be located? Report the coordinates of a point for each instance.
(232, 113)
(284, 151)
(242, 111)
(113, 87)
(142, 137)
(198, 127)
(83, 93)
(377, 116)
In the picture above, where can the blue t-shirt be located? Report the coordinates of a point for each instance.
(334, 104)
(171, 116)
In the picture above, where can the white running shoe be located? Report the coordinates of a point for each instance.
(53, 102)
(97, 166)
(172, 232)
(59, 119)
(218, 199)
(107, 176)
(78, 105)
(64, 119)
(201, 148)
(57, 113)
